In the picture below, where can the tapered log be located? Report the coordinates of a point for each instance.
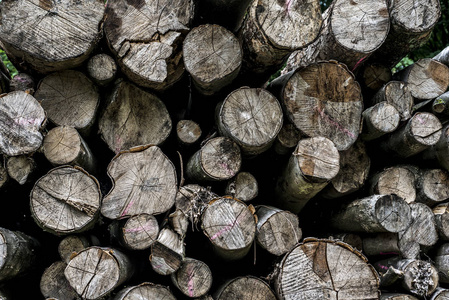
(397, 94)
(144, 181)
(218, 159)
(287, 139)
(396, 296)
(323, 99)
(66, 200)
(230, 226)
(277, 231)
(212, 56)
(432, 186)
(51, 35)
(245, 288)
(145, 291)
(313, 164)
(95, 271)
(188, 132)
(441, 214)
(167, 252)
(250, 117)
(440, 294)
(102, 69)
(243, 187)
(22, 82)
(373, 76)
(379, 120)
(421, 132)
(398, 180)
(441, 261)
(54, 284)
(63, 145)
(193, 278)
(443, 56)
(146, 39)
(72, 244)
(133, 117)
(19, 254)
(376, 213)
(137, 232)
(343, 271)
(20, 168)
(21, 119)
(69, 98)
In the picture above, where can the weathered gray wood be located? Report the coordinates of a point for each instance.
(440, 294)
(133, 117)
(343, 272)
(441, 261)
(69, 98)
(398, 180)
(96, 271)
(230, 226)
(102, 69)
(313, 164)
(379, 120)
(440, 105)
(287, 139)
(146, 39)
(145, 291)
(432, 186)
(22, 82)
(397, 94)
(396, 296)
(277, 231)
(245, 288)
(439, 152)
(212, 56)
(373, 76)
(188, 132)
(53, 283)
(443, 56)
(51, 35)
(167, 252)
(21, 118)
(3, 173)
(352, 239)
(218, 159)
(384, 243)
(251, 117)
(20, 168)
(137, 232)
(144, 181)
(243, 187)
(441, 214)
(193, 278)
(66, 200)
(70, 245)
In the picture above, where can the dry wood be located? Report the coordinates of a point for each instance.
(144, 182)
(378, 120)
(353, 240)
(398, 180)
(188, 132)
(287, 139)
(439, 152)
(167, 252)
(277, 231)
(66, 200)
(20, 168)
(443, 56)
(440, 105)
(145, 291)
(323, 269)
(54, 284)
(432, 186)
(51, 35)
(396, 296)
(313, 164)
(384, 243)
(212, 56)
(193, 278)
(95, 271)
(245, 288)
(102, 69)
(21, 118)
(440, 294)
(218, 159)
(72, 244)
(179, 221)
(251, 117)
(230, 226)
(22, 82)
(3, 173)
(397, 94)
(441, 261)
(243, 187)
(69, 98)
(373, 76)
(441, 214)
(133, 117)
(146, 39)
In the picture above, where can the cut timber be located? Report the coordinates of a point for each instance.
(396, 296)
(54, 284)
(144, 182)
(102, 69)
(353, 240)
(66, 200)
(21, 118)
(230, 226)
(3, 173)
(218, 159)
(137, 232)
(440, 105)
(440, 151)
(193, 279)
(188, 132)
(426, 79)
(251, 117)
(378, 120)
(18, 254)
(245, 288)
(384, 243)
(146, 39)
(432, 186)
(145, 291)
(420, 132)
(376, 213)
(440, 294)
(212, 56)
(22, 82)
(323, 269)
(397, 94)
(20, 168)
(69, 98)
(441, 261)
(441, 213)
(313, 164)
(70, 245)
(287, 139)
(398, 180)
(133, 117)
(167, 252)
(272, 30)
(373, 76)
(95, 272)
(243, 187)
(443, 56)
(277, 231)
(323, 99)
(51, 35)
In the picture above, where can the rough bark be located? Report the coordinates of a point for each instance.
(323, 269)
(277, 231)
(379, 120)
(69, 98)
(146, 39)
(22, 82)
(102, 69)
(66, 200)
(212, 56)
(21, 119)
(441, 261)
(313, 164)
(95, 271)
(20, 168)
(144, 181)
(133, 117)
(245, 288)
(443, 56)
(384, 243)
(137, 232)
(145, 291)
(441, 214)
(72, 244)
(53, 283)
(51, 35)
(440, 150)
(398, 180)
(440, 294)
(353, 240)
(167, 252)
(188, 132)
(193, 278)
(396, 296)
(397, 94)
(251, 117)
(287, 139)
(432, 186)
(243, 187)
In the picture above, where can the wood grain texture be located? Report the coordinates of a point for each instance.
(287, 139)
(441, 260)
(396, 296)
(243, 186)
(397, 94)
(168, 252)
(53, 283)
(378, 120)
(398, 180)
(443, 56)
(71, 245)
(137, 232)
(441, 214)
(245, 288)
(433, 186)
(440, 294)
(188, 132)
(102, 69)
(145, 291)
(20, 168)
(193, 278)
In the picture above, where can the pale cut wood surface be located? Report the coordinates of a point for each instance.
(188, 132)
(102, 69)
(140, 231)
(433, 186)
(193, 278)
(72, 244)
(378, 120)
(398, 180)
(243, 186)
(441, 214)
(168, 252)
(54, 284)
(245, 288)
(20, 168)
(397, 94)
(145, 291)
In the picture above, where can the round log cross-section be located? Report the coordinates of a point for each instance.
(193, 278)
(145, 291)
(102, 69)
(397, 94)
(245, 288)
(54, 284)
(398, 180)
(138, 232)
(378, 120)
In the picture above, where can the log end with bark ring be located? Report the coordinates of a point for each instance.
(415, 16)
(245, 288)
(140, 231)
(426, 128)
(188, 132)
(62, 145)
(145, 291)
(193, 278)
(102, 69)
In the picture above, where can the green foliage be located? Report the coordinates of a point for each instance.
(405, 62)
(12, 70)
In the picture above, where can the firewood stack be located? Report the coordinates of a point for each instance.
(150, 152)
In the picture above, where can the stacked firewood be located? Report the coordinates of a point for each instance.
(263, 149)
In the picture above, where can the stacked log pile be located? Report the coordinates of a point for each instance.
(147, 152)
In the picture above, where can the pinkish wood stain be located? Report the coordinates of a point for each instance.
(146, 227)
(336, 124)
(127, 208)
(227, 228)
